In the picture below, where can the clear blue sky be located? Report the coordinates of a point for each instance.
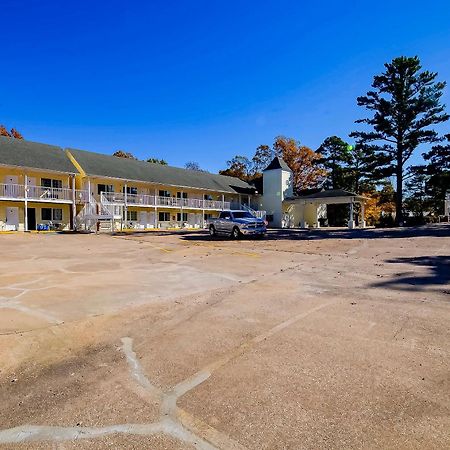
(203, 80)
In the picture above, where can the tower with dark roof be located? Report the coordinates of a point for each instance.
(277, 185)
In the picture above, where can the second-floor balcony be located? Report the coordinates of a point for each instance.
(119, 198)
(21, 192)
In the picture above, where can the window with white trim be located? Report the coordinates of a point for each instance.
(182, 217)
(104, 188)
(132, 216)
(164, 216)
(51, 183)
(52, 214)
(57, 214)
(130, 190)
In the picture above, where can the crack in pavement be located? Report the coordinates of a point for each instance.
(173, 421)
(15, 303)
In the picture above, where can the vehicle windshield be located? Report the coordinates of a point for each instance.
(242, 215)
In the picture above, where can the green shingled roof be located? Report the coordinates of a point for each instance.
(18, 152)
(325, 193)
(97, 164)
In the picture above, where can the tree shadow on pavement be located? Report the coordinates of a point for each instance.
(438, 274)
(297, 234)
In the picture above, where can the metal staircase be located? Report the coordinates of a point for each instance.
(256, 213)
(288, 218)
(95, 212)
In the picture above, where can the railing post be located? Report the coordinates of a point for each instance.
(74, 206)
(25, 194)
(223, 202)
(125, 199)
(181, 209)
(89, 190)
(156, 210)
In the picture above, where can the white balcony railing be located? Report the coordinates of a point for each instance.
(41, 193)
(12, 190)
(81, 197)
(118, 198)
(49, 193)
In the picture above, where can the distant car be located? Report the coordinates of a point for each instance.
(236, 224)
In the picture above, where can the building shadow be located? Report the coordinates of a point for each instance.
(438, 230)
(437, 277)
(299, 234)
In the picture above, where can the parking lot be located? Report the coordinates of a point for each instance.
(321, 339)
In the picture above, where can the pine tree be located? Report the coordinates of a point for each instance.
(405, 103)
(438, 171)
(336, 157)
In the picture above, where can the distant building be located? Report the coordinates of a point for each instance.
(309, 209)
(44, 186)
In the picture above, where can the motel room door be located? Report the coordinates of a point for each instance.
(11, 187)
(12, 218)
(31, 186)
(31, 218)
(143, 219)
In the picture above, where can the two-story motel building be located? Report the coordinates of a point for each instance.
(76, 189)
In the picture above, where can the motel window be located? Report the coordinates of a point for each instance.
(130, 190)
(163, 193)
(50, 183)
(46, 213)
(164, 217)
(57, 214)
(182, 217)
(207, 197)
(132, 216)
(104, 188)
(51, 214)
(207, 217)
(182, 195)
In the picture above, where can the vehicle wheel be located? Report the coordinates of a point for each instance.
(212, 231)
(235, 234)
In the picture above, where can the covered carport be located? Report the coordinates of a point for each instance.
(305, 210)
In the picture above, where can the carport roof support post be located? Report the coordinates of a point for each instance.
(351, 221)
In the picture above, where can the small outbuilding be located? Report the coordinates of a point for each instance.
(306, 210)
(286, 210)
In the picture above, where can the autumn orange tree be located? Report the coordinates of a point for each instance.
(380, 205)
(12, 134)
(239, 167)
(303, 161)
(123, 154)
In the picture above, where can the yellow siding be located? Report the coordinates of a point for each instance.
(150, 189)
(32, 174)
(4, 205)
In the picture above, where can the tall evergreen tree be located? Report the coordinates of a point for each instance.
(416, 201)
(360, 177)
(405, 102)
(438, 171)
(336, 158)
